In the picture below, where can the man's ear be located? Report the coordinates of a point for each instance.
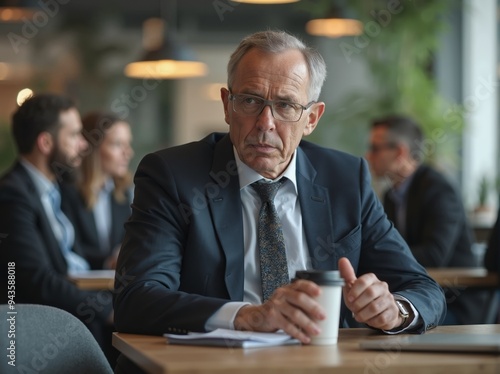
(313, 117)
(45, 142)
(224, 95)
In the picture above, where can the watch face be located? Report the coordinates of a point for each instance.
(402, 309)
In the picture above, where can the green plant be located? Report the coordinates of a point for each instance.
(484, 188)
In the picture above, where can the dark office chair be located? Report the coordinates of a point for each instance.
(44, 339)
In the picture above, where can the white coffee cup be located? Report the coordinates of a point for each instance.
(330, 299)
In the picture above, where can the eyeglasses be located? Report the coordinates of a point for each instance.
(376, 148)
(250, 105)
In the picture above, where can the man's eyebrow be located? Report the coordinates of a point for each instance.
(286, 98)
(291, 99)
(250, 94)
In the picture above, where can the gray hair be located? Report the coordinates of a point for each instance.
(276, 42)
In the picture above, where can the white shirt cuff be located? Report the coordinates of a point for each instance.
(224, 317)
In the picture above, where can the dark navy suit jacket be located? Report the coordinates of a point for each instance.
(183, 249)
(436, 228)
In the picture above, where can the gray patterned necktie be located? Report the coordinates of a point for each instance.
(273, 265)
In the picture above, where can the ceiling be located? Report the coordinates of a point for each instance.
(196, 19)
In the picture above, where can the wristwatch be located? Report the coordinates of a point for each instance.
(403, 312)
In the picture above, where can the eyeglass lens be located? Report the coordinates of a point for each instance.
(281, 110)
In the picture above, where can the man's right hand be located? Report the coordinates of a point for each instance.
(292, 308)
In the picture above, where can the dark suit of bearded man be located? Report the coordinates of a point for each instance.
(41, 270)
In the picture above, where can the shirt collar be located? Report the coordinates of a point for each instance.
(108, 186)
(42, 184)
(248, 176)
(401, 191)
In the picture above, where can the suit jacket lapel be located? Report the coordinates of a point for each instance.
(52, 245)
(317, 219)
(316, 216)
(224, 202)
(389, 207)
(413, 202)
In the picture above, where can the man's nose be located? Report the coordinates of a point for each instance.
(265, 120)
(83, 143)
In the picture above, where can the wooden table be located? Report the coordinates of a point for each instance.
(464, 277)
(461, 279)
(94, 279)
(483, 233)
(446, 277)
(155, 356)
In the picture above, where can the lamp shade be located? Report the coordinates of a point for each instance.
(165, 57)
(171, 61)
(334, 27)
(15, 14)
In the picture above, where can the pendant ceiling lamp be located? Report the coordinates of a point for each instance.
(16, 10)
(15, 14)
(334, 26)
(165, 56)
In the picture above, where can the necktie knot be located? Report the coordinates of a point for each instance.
(267, 191)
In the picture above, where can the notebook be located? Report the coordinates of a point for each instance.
(437, 342)
(232, 339)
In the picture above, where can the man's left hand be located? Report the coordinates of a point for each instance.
(369, 299)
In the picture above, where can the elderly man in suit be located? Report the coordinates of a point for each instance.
(426, 209)
(192, 242)
(39, 240)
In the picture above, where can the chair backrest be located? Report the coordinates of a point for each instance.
(44, 339)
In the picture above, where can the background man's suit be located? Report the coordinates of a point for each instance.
(41, 269)
(492, 257)
(184, 241)
(438, 235)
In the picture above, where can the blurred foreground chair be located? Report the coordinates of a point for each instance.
(44, 339)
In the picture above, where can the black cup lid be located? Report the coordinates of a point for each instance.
(321, 277)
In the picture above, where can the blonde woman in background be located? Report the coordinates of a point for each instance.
(100, 204)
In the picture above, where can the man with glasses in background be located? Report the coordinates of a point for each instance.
(426, 209)
(195, 247)
(492, 256)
